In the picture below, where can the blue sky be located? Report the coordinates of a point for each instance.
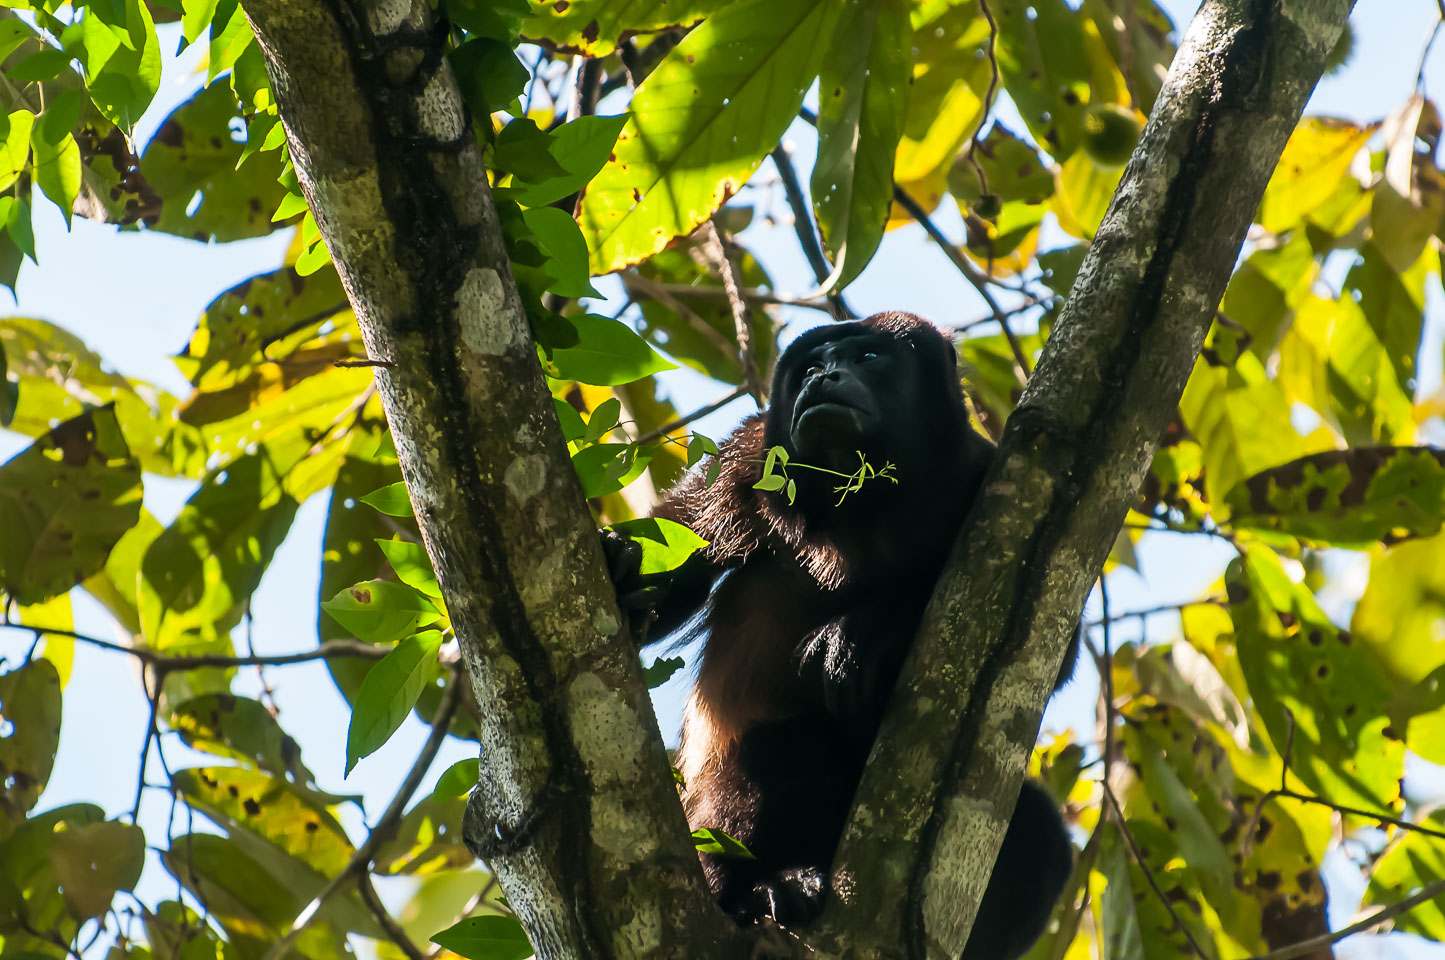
(135, 298)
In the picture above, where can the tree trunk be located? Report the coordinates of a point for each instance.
(576, 801)
(576, 806)
(942, 782)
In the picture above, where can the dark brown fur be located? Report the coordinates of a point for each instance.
(812, 608)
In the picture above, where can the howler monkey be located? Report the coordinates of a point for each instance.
(809, 609)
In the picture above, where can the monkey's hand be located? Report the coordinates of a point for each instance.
(636, 596)
(792, 897)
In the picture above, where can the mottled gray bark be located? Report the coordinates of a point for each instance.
(943, 780)
(592, 850)
(590, 843)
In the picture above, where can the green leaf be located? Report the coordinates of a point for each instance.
(666, 544)
(238, 728)
(605, 468)
(380, 611)
(700, 446)
(15, 147)
(229, 41)
(773, 481)
(30, 696)
(127, 82)
(392, 500)
(741, 76)
(486, 938)
(603, 420)
(1314, 688)
(266, 318)
(1347, 497)
(456, 780)
(661, 671)
(199, 573)
(718, 843)
(1044, 64)
(412, 565)
(572, 426)
(196, 18)
(64, 503)
(524, 150)
(1409, 863)
(9, 391)
(93, 861)
(561, 239)
(56, 166)
(388, 693)
(489, 74)
(862, 103)
(607, 353)
(191, 165)
(40, 66)
(1316, 158)
(595, 27)
(283, 813)
(580, 147)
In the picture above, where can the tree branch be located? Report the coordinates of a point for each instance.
(1305, 947)
(390, 167)
(360, 861)
(943, 779)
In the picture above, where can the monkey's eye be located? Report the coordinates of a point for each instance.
(813, 369)
(867, 355)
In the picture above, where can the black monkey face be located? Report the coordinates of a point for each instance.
(845, 395)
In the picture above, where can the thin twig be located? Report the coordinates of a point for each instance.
(976, 278)
(1409, 825)
(394, 931)
(1425, 54)
(167, 663)
(1107, 670)
(1424, 895)
(154, 698)
(662, 431)
(1162, 608)
(988, 99)
(638, 285)
(804, 228)
(361, 860)
(712, 241)
(1138, 856)
(752, 296)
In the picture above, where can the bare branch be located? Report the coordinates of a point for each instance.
(672, 425)
(1305, 947)
(360, 861)
(1138, 855)
(161, 662)
(717, 248)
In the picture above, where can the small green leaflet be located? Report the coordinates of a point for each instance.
(486, 938)
(606, 468)
(665, 544)
(391, 500)
(603, 420)
(379, 611)
(661, 671)
(608, 353)
(412, 565)
(708, 840)
(388, 693)
(457, 780)
(698, 447)
(580, 147)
